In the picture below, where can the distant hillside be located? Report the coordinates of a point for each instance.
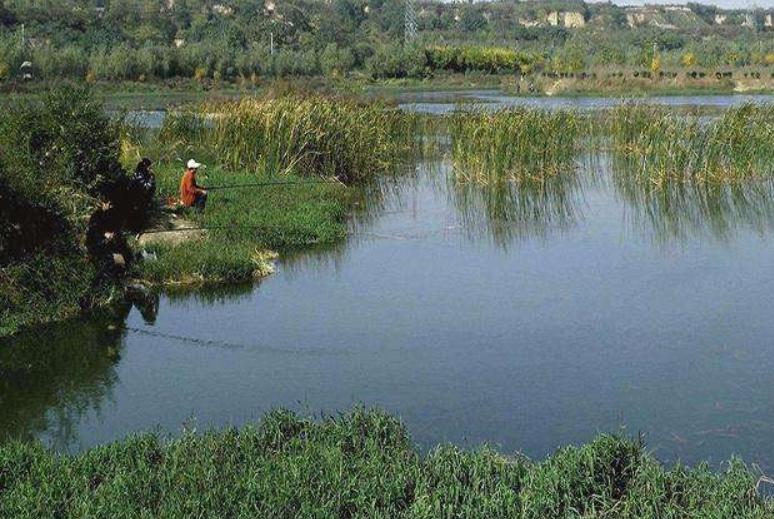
(230, 39)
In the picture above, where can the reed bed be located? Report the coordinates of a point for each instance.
(513, 144)
(653, 144)
(309, 136)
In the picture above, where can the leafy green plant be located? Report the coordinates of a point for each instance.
(360, 464)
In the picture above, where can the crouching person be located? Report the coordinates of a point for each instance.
(192, 194)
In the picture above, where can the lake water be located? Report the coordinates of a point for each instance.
(444, 102)
(528, 319)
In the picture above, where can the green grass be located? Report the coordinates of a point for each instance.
(656, 145)
(45, 288)
(513, 144)
(307, 135)
(361, 464)
(243, 223)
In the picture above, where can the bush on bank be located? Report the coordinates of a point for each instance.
(362, 464)
(57, 155)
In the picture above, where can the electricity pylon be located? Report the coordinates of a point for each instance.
(410, 27)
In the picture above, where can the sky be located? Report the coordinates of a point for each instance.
(729, 4)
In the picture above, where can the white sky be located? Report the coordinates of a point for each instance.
(729, 4)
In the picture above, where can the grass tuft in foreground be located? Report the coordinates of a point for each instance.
(362, 464)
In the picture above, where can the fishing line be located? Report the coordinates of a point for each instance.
(214, 343)
(254, 227)
(278, 183)
(183, 338)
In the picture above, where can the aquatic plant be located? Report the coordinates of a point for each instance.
(360, 464)
(677, 210)
(657, 145)
(513, 144)
(309, 136)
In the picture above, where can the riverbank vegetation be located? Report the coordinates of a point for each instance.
(61, 151)
(361, 464)
(311, 135)
(58, 159)
(292, 159)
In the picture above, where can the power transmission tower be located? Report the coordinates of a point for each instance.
(410, 27)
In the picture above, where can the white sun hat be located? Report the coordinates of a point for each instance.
(192, 164)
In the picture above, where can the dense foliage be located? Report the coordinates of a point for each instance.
(247, 39)
(362, 464)
(57, 158)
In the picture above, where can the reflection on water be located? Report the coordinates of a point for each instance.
(444, 103)
(529, 316)
(51, 378)
(506, 211)
(681, 211)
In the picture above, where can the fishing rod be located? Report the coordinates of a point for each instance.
(277, 183)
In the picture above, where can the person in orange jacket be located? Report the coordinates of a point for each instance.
(192, 194)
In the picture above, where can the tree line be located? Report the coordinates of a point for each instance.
(231, 39)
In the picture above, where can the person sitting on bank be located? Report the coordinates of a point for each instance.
(142, 189)
(192, 194)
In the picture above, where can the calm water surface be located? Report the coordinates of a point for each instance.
(444, 102)
(526, 318)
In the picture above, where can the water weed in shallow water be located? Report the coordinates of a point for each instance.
(506, 211)
(513, 144)
(657, 145)
(310, 136)
(361, 464)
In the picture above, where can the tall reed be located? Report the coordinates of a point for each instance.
(513, 144)
(658, 146)
(306, 135)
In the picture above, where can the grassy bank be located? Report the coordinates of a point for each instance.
(63, 147)
(311, 148)
(242, 224)
(594, 82)
(362, 464)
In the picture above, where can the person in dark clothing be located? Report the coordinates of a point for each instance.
(105, 240)
(144, 180)
(140, 193)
